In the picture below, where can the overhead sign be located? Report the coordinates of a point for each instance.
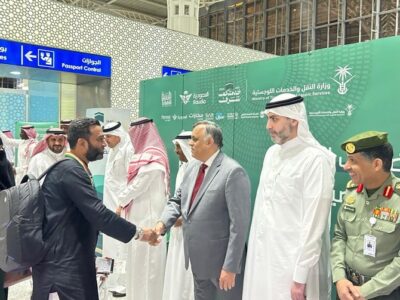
(34, 56)
(170, 71)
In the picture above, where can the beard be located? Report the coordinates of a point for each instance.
(94, 153)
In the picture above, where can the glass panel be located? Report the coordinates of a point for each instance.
(186, 10)
(239, 12)
(305, 44)
(229, 33)
(176, 9)
(365, 29)
(334, 11)
(352, 9)
(258, 27)
(280, 45)
(258, 7)
(271, 20)
(333, 35)
(387, 24)
(203, 32)
(203, 22)
(271, 3)
(250, 9)
(306, 16)
(322, 12)
(366, 9)
(294, 24)
(221, 18)
(270, 46)
(281, 20)
(231, 14)
(213, 33)
(213, 20)
(352, 29)
(239, 32)
(249, 29)
(388, 4)
(220, 33)
(321, 37)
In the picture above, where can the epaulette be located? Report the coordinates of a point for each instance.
(351, 185)
(397, 188)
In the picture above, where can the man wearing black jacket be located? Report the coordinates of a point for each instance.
(71, 201)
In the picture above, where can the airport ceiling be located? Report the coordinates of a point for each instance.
(148, 11)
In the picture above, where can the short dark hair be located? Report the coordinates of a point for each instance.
(383, 152)
(80, 128)
(212, 129)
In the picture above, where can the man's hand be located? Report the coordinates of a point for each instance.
(346, 290)
(118, 210)
(356, 293)
(149, 235)
(226, 280)
(298, 291)
(159, 228)
(179, 222)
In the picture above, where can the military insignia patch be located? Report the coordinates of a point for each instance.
(350, 148)
(350, 199)
(349, 208)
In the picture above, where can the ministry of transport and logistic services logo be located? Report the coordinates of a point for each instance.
(342, 78)
(185, 97)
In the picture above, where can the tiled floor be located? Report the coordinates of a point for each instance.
(20, 291)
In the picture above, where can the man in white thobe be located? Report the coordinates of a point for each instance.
(115, 182)
(48, 151)
(178, 282)
(143, 201)
(25, 147)
(9, 150)
(288, 254)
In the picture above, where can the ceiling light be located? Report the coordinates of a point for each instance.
(15, 72)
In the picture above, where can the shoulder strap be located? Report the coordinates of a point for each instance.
(30, 176)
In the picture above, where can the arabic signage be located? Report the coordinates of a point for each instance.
(41, 57)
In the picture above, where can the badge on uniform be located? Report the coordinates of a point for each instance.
(386, 213)
(350, 199)
(369, 245)
(349, 208)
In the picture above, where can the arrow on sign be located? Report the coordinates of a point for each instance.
(29, 55)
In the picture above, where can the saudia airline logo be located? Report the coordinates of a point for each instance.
(185, 97)
(342, 78)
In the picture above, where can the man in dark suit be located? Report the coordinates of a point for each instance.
(214, 202)
(75, 215)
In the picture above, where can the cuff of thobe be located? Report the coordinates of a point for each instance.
(338, 274)
(300, 274)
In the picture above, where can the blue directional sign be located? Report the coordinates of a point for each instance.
(170, 71)
(34, 56)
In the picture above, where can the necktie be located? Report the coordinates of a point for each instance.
(197, 184)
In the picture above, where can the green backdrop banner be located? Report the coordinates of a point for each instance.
(347, 90)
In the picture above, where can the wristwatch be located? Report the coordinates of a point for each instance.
(139, 233)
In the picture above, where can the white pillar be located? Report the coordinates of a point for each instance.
(183, 15)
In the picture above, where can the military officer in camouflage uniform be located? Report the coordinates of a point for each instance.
(366, 243)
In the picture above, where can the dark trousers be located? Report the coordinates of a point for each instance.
(208, 289)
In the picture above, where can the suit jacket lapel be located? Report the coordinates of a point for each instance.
(214, 169)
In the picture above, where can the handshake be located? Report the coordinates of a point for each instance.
(151, 235)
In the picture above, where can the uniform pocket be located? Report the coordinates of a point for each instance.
(384, 226)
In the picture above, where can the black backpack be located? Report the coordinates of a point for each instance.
(22, 214)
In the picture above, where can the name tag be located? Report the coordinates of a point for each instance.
(369, 245)
(349, 208)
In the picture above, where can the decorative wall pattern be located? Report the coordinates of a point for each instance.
(138, 50)
(12, 105)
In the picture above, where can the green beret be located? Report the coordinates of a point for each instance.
(364, 141)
